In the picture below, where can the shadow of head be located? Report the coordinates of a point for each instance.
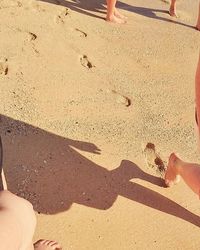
(47, 170)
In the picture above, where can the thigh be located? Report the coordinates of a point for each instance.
(19, 212)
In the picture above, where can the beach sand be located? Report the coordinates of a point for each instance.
(86, 109)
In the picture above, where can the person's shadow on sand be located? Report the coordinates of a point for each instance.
(90, 8)
(47, 170)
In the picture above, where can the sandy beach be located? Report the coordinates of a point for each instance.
(90, 112)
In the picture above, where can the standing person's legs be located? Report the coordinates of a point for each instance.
(113, 14)
(172, 9)
(172, 12)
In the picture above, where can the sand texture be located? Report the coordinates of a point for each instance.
(90, 112)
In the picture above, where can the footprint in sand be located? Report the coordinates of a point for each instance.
(32, 36)
(3, 66)
(81, 33)
(121, 99)
(60, 19)
(153, 159)
(85, 62)
(19, 4)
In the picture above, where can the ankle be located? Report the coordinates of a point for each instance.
(109, 17)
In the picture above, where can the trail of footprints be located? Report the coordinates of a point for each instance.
(59, 19)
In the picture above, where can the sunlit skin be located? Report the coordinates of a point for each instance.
(113, 15)
(190, 172)
(18, 223)
(173, 13)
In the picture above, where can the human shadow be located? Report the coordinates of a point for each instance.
(88, 6)
(48, 170)
(150, 13)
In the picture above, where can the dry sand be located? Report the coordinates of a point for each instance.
(80, 100)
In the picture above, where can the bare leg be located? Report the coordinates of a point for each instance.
(17, 221)
(18, 224)
(197, 91)
(112, 13)
(172, 9)
(198, 20)
(190, 172)
(118, 14)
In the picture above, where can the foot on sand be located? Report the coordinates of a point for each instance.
(47, 245)
(172, 12)
(171, 174)
(115, 19)
(198, 26)
(119, 15)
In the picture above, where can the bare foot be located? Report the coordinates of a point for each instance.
(171, 175)
(198, 26)
(119, 15)
(172, 12)
(47, 245)
(114, 19)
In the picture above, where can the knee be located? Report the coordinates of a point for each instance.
(17, 204)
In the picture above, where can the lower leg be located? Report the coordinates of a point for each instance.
(197, 91)
(190, 172)
(113, 14)
(198, 20)
(118, 14)
(172, 9)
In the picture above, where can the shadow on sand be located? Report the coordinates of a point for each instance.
(88, 6)
(47, 170)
